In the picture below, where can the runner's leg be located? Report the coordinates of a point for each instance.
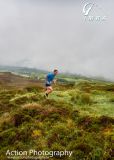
(49, 90)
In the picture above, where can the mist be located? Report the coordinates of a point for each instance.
(48, 34)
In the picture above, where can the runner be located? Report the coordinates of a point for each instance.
(49, 80)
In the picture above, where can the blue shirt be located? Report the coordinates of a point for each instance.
(50, 77)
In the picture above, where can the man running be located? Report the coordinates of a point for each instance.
(49, 80)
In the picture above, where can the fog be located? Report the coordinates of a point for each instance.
(48, 34)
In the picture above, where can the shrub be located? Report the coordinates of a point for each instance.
(19, 118)
(75, 115)
(97, 153)
(82, 98)
(32, 106)
(85, 98)
(105, 121)
(7, 137)
(111, 99)
(34, 89)
(58, 134)
(19, 145)
(85, 121)
(23, 133)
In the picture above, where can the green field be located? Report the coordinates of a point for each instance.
(77, 116)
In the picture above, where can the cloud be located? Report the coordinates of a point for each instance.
(49, 34)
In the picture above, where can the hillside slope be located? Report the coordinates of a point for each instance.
(16, 81)
(76, 117)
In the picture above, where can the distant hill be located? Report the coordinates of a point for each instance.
(40, 74)
(12, 80)
(21, 70)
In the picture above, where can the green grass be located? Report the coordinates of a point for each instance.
(76, 117)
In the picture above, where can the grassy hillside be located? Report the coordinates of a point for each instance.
(78, 117)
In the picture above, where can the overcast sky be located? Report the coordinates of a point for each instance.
(49, 34)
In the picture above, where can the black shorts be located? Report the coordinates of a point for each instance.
(48, 85)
